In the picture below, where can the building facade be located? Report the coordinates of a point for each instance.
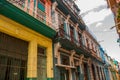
(76, 51)
(106, 65)
(114, 5)
(48, 40)
(26, 40)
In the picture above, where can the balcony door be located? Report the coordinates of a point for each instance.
(86, 72)
(64, 74)
(71, 34)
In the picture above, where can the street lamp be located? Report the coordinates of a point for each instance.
(100, 41)
(118, 40)
(115, 25)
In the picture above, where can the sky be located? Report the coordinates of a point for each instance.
(99, 18)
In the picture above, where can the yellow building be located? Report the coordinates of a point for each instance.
(25, 42)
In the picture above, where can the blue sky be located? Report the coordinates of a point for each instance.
(100, 19)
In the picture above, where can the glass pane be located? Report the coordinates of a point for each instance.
(65, 59)
(41, 64)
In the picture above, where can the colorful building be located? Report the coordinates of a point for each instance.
(106, 65)
(26, 36)
(48, 40)
(76, 51)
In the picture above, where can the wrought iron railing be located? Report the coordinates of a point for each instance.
(41, 16)
(70, 5)
(38, 14)
(63, 34)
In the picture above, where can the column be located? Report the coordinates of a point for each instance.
(100, 73)
(71, 64)
(49, 53)
(71, 58)
(103, 73)
(90, 69)
(56, 52)
(96, 72)
(81, 69)
(32, 61)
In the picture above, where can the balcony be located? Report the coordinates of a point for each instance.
(72, 6)
(62, 34)
(38, 14)
(35, 19)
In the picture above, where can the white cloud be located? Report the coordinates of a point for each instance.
(99, 24)
(96, 11)
(93, 17)
(86, 5)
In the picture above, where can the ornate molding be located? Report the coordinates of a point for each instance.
(71, 57)
(81, 59)
(56, 48)
(54, 5)
(68, 17)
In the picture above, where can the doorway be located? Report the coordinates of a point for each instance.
(13, 58)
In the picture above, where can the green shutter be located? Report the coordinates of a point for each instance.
(34, 4)
(41, 6)
(28, 7)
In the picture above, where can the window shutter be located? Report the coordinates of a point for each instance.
(41, 6)
(65, 28)
(76, 36)
(68, 30)
(34, 4)
(83, 40)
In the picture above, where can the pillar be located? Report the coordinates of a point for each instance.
(32, 61)
(80, 67)
(103, 73)
(96, 71)
(90, 69)
(49, 62)
(100, 73)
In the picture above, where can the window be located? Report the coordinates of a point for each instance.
(65, 59)
(41, 63)
(87, 43)
(71, 34)
(40, 50)
(80, 39)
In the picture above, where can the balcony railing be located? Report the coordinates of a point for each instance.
(64, 35)
(70, 5)
(38, 14)
(41, 16)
